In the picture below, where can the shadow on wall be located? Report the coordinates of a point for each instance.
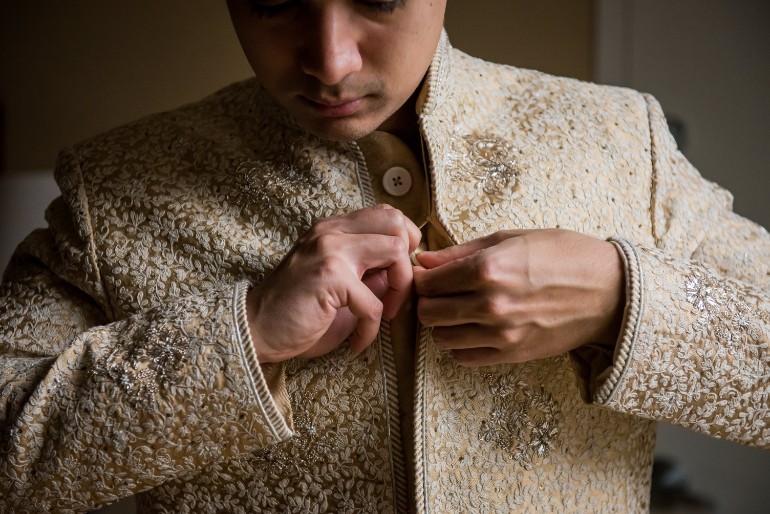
(23, 199)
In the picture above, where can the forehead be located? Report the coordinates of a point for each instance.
(276, 12)
(383, 28)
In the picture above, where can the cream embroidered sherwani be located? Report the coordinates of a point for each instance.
(126, 366)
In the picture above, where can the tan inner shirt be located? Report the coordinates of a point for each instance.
(392, 166)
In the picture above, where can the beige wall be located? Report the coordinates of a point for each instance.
(555, 36)
(73, 69)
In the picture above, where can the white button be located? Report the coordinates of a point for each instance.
(397, 181)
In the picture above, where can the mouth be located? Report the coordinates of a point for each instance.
(333, 107)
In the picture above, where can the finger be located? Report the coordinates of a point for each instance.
(486, 269)
(379, 219)
(387, 253)
(447, 311)
(339, 253)
(377, 282)
(432, 259)
(343, 325)
(414, 235)
(460, 337)
(400, 280)
(472, 335)
(453, 278)
(463, 275)
(345, 321)
(367, 308)
(486, 308)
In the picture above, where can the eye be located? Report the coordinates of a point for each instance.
(382, 5)
(269, 8)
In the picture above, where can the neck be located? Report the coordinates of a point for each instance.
(404, 124)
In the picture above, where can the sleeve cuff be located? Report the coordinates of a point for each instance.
(265, 381)
(607, 382)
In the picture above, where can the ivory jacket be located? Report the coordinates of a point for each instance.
(125, 361)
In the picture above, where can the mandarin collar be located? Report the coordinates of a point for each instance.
(436, 87)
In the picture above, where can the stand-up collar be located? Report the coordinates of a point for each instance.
(436, 86)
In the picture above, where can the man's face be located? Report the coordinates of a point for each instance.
(342, 68)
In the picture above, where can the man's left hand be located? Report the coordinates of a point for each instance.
(516, 296)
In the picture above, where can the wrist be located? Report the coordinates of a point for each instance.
(617, 298)
(261, 348)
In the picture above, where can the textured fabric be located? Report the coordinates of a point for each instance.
(125, 362)
(382, 152)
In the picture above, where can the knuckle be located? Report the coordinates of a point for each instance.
(395, 220)
(392, 225)
(380, 210)
(494, 306)
(486, 268)
(398, 245)
(510, 335)
(326, 244)
(329, 266)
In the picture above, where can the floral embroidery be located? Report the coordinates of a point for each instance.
(148, 356)
(271, 184)
(701, 293)
(488, 160)
(305, 449)
(337, 460)
(721, 311)
(524, 423)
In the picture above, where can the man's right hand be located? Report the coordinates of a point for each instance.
(339, 280)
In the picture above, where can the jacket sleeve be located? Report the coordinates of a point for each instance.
(695, 347)
(94, 409)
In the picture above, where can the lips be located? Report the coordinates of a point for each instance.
(332, 107)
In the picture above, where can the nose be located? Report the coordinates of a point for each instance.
(332, 52)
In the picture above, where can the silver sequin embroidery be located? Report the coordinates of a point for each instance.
(701, 293)
(723, 314)
(291, 174)
(524, 423)
(490, 163)
(148, 356)
(306, 449)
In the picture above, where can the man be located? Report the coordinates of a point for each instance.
(384, 277)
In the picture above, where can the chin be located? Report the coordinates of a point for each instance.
(340, 129)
